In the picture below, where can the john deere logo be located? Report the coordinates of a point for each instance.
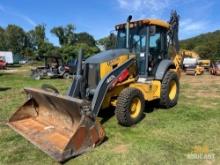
(113, 62)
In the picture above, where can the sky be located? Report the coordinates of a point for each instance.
(98, 17)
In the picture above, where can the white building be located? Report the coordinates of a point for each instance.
(8, 56)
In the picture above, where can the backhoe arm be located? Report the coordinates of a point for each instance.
(176, 56)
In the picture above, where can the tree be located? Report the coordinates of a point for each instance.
(87, 50)
(85, 38)
(37, 40)
(108, 42)
(2, 39)
(204, 51)
(59, 33)
(71, 42)
(15, 38)
(45, 49)
(71, 51)
(207, 45)
(69, 34)
(65, 35)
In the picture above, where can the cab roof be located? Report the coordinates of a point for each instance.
(156, 22)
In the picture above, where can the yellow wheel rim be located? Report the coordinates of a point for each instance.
(172, 90)
(135, 107)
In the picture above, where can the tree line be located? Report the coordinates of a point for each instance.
(34, 43)
(206, 45)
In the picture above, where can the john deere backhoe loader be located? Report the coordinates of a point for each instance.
(140, 69)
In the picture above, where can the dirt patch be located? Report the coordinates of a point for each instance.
(3, 123)
(200, 80)
(206, 106)
(14, 70)
(9, 71)
(122, 148)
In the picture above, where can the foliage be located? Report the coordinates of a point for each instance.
(71, 51)
(2, 39)
(14, 38)
(35, 44)
(85, 38)
(108, 42)
(65, 35)
(207, 45)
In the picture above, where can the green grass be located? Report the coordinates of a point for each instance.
(162, 137)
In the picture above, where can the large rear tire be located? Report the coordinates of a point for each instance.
(130, 107)
(169, 90)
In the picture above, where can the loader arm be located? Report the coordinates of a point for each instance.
(105, 84)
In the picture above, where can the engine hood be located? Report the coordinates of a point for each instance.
(106, 55)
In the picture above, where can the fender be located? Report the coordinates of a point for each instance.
(162, 68)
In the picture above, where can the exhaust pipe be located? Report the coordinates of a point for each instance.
(128, 32)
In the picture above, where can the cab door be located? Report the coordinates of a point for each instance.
(157, 50)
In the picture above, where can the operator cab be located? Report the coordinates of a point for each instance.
(148, 41)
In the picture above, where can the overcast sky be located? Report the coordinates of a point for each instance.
(98, 17)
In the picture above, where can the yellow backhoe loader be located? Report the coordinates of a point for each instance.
(195, 70)
(139, 69)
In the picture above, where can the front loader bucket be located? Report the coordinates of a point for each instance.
(56, 124)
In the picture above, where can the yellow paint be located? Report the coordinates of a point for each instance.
(108, 66)
(150, 91)
(189, 53)
(135, 107)
(199, 70)
(111, 96)
(156, 22)
(177, 59)
(172, 90)
(159, 22)
(204, 63)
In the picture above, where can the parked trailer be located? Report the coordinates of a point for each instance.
(8, 56)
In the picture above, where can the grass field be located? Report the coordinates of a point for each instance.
(162, 137)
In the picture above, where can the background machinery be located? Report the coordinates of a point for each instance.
(195, 70)
(53, 67)
(138, 70)
(205, 64)
(191, 64)
(215, 68)
(3, 63)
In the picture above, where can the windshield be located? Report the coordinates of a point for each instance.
(137, 39)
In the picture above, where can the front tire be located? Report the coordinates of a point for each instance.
(66, 75)
(169, 90)
(130, 107)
